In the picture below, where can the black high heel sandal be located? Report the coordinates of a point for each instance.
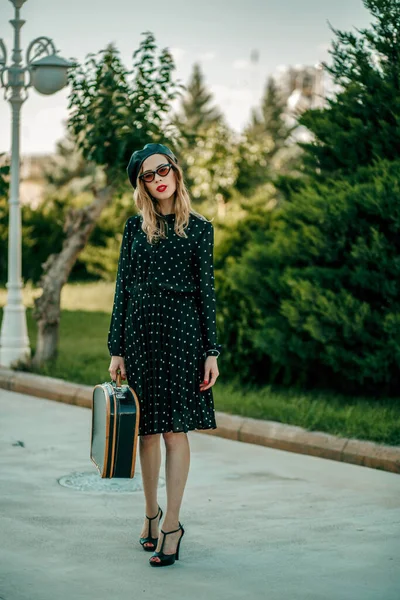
(150, 539)
(167, 559)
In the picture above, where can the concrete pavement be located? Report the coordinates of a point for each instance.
(258, 522)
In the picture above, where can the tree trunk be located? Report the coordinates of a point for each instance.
(78, 226)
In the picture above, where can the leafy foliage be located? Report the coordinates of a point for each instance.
(112, 113)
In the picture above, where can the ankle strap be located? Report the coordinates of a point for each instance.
(174, 531)
(152, 518)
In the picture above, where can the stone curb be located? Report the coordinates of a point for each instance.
(233, 427)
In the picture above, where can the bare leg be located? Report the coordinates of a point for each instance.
(177, 464)
(150, 460)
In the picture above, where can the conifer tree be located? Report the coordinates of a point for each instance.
(263, 138)
(206, 147)
(268, 121)
(196, 113)
(362, 122)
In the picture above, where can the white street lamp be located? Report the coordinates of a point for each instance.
(47, 73)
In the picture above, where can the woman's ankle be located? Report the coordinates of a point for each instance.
(170, 524)
(152, 511)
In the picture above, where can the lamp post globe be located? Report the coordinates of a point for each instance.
(49, 74)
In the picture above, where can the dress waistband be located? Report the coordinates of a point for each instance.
(155, 287)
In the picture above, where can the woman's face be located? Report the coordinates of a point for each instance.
(166, 185)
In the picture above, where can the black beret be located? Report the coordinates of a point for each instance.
(139, 156)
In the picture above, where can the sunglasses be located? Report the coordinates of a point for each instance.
(162, 170)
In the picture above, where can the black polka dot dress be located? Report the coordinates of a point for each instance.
(164, 323)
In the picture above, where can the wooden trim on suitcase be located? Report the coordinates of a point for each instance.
(112, 466)
(136, 431)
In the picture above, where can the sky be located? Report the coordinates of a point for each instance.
(220, 35)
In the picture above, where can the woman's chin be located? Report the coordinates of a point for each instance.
(164, 195)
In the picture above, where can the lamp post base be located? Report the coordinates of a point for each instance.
(14, 336)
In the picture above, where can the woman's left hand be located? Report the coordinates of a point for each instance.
(210, 373)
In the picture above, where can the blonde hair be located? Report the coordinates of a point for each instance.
(147, 206)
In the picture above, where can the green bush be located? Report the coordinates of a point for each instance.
(314, 297)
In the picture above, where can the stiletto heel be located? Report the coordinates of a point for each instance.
(167, 559)
(150, 539)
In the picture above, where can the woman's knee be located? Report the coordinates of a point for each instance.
(172, 438)
(150, 439)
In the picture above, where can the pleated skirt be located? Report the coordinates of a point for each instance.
(164, 360)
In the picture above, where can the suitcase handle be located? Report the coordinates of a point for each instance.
(118, 379)
(116, 383)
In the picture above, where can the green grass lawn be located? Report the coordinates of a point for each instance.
(83, 358)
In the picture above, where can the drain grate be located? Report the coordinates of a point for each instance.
(92, 482)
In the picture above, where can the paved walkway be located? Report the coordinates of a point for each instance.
(259, 523)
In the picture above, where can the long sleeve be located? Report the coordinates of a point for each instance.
(206, 299)
(116, 334)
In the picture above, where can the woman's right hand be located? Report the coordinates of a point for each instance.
(117, 362)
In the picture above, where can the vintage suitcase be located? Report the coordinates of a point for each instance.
(115, 429)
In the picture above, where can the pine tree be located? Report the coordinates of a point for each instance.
(317, 287)
(206, 147)
(267, 121)
(362, 122)
(196, 113)
(263, 139)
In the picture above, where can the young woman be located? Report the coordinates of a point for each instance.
(162, 333)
